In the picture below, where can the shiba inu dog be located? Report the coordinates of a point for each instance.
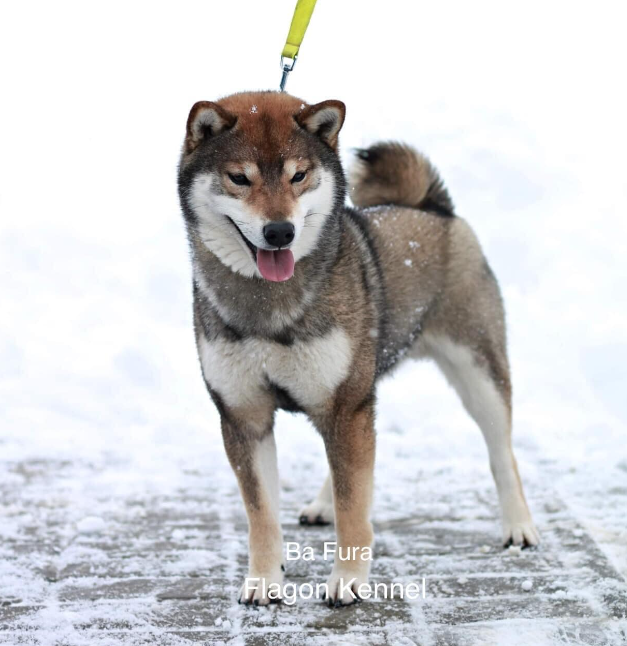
(303, 303)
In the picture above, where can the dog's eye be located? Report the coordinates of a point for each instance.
(239, 179)
(299, 177)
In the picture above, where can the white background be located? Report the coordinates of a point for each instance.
(521, 106)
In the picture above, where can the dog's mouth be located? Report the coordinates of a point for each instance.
(249, 244)
(276, 265)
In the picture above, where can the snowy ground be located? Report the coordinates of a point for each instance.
(111, 548)
(120, 522)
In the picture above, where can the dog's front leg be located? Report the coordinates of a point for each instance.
(350, 444)
(251, 450)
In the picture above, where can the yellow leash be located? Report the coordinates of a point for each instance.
(300, 22)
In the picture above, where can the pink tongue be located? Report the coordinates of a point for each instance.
(275, 265)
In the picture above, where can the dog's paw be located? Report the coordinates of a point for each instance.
(260, 590)
(317, 513)
(520, 532)
(343, 586)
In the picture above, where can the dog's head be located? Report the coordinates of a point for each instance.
(259, 178)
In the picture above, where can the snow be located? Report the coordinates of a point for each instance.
(90, 525)
(101, 399)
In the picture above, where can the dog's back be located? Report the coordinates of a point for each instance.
(442, 301)
(431, 262)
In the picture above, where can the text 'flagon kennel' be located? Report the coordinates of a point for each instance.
(302, 303)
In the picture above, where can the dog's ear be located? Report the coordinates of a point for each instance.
(324, 120)
(206, 119)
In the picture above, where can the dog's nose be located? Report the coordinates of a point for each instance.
(279, 234)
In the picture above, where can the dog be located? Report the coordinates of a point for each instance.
(302, 303)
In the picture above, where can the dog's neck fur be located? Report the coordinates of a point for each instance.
(257, 307)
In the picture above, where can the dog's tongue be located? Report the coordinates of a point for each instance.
(275, 265)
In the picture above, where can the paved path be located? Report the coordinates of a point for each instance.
(163, 568)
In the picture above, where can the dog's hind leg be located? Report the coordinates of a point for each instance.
(481, 378)
(251, 449)
(320, 510)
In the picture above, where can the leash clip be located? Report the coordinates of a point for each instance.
(286, 70)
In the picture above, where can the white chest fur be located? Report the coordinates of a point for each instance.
(309, 370)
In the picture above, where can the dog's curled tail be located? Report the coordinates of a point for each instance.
(394, 173)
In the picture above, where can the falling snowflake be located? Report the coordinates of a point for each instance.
(253, 110)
